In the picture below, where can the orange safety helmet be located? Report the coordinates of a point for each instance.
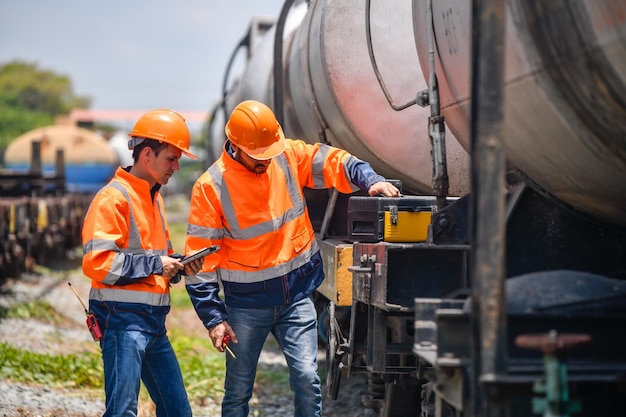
(162, 125)
(253, 128)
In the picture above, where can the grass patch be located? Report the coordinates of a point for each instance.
(73, 370)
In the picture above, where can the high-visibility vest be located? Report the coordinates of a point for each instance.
(261, 221)
(123, 220)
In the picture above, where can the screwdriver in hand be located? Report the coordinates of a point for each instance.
(225, 343)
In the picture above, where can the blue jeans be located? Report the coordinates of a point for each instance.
(131, 356)
(294, 327)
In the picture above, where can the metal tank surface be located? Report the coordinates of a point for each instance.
(332, 92)
(565, 93)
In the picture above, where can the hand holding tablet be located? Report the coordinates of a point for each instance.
(199, 254)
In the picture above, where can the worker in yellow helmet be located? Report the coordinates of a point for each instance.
(127, 255)
(251, 203)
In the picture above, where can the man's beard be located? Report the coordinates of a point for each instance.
(257, 167)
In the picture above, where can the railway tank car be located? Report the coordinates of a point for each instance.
(433, 334)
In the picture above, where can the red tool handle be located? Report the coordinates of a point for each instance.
(225, 342)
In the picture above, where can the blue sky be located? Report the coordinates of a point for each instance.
(132, 54)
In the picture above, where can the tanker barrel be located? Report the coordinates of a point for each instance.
(564, 98)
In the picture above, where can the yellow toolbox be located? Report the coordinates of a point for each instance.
(389, 219)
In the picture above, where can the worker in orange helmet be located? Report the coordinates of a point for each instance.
(129, 258)
(251, 203)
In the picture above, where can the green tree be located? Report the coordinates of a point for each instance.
(31, 97)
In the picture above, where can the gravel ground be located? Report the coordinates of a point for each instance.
(71, 336)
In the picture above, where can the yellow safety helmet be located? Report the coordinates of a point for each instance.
(253, 128)
(162, 125)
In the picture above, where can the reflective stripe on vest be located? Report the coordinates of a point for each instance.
(129, 296)
(318, 167)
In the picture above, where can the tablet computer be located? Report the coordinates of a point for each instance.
(199, 254)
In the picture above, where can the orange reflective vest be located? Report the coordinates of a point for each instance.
(124, 234)
(261, 221)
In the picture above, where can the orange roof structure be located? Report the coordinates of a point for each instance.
(87, 115)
